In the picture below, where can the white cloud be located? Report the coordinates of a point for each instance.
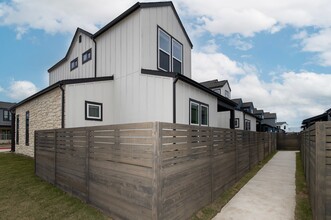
(292, 95)
(240, 44)
(1, 89)
(19, 90)
(210, 47)
(59, 16)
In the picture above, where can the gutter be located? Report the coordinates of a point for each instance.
(95, 58)
(174, 98)
(13, 134)
(62, 106)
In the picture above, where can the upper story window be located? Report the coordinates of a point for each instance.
(247, 125)
(177, 56)
(170, 53)
(87, 56)
(236, 122)
(6, 115)
(74, 64)
(217, 91)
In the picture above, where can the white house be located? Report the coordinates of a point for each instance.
(137, 68)
(244, 118)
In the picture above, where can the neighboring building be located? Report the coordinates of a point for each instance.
(326, 116)
(5, 122)
(221, 87)
(244, 119)
(260, 115)
(135, 69)
(268, 124)
(282, 126)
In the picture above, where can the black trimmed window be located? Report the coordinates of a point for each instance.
(6, 115)
(170, 53)
(27, 128)
(247, 125)
(17, 129)
(93, 111)
(199, 113)
(87, 56)
(236, 122)
(74, 64)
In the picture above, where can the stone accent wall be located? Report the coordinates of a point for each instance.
(45, 113)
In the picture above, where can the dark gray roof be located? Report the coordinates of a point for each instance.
(258, 111)
(281, 122)
(6, 105)
(214, 83)
(238, 101)
(247, 104)
(268, 115)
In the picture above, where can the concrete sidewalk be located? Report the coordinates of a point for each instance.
(270, 194)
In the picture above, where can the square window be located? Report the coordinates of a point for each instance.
(204, 115)
(74, 64)
(87, 56)
(93, 111)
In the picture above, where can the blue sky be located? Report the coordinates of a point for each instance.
(277, 55)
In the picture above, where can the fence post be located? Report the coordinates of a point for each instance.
(157, 172)
(87, 165)
(55, 157)
(211, 142)
(320, 169)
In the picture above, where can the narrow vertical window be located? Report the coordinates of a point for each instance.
(164, 42)
(247, 125)
(17, 129)
(204, 115)
(194, 113)
(74, 64)
(27, 124)
(80, 38)
(236, 122)
(5, 115)
(177, 56)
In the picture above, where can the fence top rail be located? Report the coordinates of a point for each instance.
(150, 125)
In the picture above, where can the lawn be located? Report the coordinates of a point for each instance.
(25, 196)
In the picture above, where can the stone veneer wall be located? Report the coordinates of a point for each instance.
(45, 113)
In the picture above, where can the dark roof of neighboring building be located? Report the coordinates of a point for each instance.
(247, 104)
(215, 83)
(120, 18)
(6, 105)
(60, 83)
(78, 30)
(258, 111)
(281, 123)
(268, 115)
(318, 117)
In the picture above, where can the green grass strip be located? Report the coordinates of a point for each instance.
(211, 210)
(26, 196)
(302, 208)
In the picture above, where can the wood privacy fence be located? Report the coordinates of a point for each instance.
(288, 141)
(316, 157)
(148, 170)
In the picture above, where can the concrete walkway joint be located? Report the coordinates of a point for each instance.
(270, 194)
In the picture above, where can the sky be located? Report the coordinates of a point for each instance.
(276, 54)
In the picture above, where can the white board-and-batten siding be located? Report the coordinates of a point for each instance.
(85, 70)
(131, 99)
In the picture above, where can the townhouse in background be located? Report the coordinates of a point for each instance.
(5, 122)
(326, 116)
(135, 69)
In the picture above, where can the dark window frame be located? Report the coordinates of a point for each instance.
(200, 112)
(8, 115)
(247, 122)
(75, 61)
(27, 128)
(236, 123)
(171, 57)
(87, 103)
(89, 51)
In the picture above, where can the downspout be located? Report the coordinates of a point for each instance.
(13, 134)
(174, 98)
(95, 57)
(62, 108)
